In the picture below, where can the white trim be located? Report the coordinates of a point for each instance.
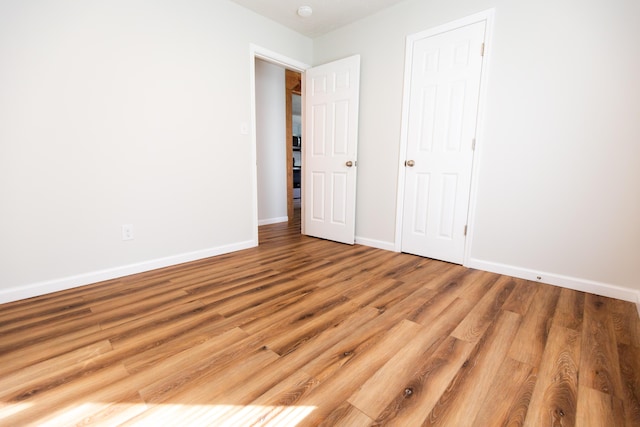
(276, 58)
(575, 283)
(273, 220)
(254, 146)
(638, 303)
(378, 244)
(256, 51)
(404, 130)
(487, 16)
(480, 125)
(42, 288)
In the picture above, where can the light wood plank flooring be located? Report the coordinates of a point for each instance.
(302, 331)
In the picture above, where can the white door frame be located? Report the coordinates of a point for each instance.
(258, 52)
(488, 16)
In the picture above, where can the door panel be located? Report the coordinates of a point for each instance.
(339, 202)
(443, 104)
(318, 195)
(331, 127)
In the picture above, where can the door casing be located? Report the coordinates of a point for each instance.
(287, 63)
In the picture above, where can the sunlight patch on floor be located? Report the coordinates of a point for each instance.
(8, 409)
(140, 414)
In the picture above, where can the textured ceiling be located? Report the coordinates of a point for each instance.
(327, 14)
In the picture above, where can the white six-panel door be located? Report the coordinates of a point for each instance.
(443, 104)
(330, 149)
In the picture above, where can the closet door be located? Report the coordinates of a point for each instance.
(441, 127)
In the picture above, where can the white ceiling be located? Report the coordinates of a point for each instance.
(327, 14)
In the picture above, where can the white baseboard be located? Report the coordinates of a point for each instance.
(42, 288)
(583, 285)
(273, 220)
(379, 244)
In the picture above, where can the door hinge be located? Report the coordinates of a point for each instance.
(465, 230)
(473, 144)
(482, 49)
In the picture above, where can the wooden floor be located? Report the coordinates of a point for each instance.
(302, 331)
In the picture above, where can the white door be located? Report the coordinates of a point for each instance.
(440, 137)
(330, 149)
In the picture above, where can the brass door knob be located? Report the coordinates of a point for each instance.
(410, 163)
(349, 163)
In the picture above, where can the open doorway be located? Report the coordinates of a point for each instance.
(293, 99)
(330, 127)
(278, 139)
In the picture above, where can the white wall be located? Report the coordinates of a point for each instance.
(270, 142)
(558, 188)
(124, 112)
(129, 112)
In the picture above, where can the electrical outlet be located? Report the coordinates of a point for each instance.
(127, 232)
